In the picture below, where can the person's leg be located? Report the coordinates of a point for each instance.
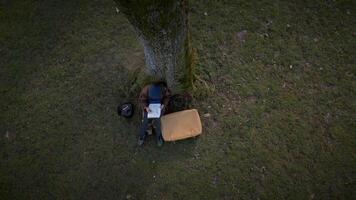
(143, 129)
(157, 124)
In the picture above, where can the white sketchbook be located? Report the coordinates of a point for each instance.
(155, 110)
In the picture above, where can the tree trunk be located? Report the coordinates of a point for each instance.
(162, 28)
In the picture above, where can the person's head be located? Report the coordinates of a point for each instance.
(160, 83)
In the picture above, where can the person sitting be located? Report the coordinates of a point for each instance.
(154, 93)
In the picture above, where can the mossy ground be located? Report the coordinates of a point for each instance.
(281, 104)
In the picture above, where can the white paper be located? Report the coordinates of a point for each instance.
(155, 110)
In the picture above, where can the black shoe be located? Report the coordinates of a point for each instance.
(160, 141)
(140, 141)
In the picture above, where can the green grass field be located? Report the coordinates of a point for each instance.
(281, 101)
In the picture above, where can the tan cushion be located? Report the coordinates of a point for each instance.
(181, 125)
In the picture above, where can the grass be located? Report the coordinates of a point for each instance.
(281, 100)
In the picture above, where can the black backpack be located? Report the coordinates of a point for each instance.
(126, 110)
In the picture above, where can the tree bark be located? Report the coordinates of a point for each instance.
(162, 28)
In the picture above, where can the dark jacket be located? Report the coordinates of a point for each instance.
(165, 95)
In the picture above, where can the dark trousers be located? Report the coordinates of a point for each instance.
(156, 124)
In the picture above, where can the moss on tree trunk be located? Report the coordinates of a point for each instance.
(162, 28)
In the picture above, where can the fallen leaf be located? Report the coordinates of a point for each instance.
(241, 35)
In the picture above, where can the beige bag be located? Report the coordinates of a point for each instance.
(181, 125)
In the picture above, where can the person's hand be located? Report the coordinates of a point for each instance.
(147, 109)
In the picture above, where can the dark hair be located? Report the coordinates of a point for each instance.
(162, 83)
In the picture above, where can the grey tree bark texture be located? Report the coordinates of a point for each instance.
(162, 28)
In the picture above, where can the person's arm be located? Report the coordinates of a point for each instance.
(143, 98)
(166, 97)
